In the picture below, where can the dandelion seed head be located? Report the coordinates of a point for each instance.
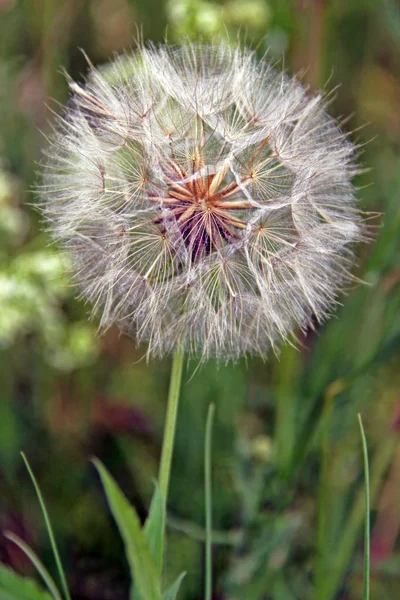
(205, 199)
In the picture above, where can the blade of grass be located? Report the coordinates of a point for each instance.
(49, 528)
(367, 559)
(208, 494)
(35, 560)
(340, 562)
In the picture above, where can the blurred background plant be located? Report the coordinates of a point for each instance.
(287, 459)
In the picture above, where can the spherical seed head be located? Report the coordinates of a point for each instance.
(205, 199)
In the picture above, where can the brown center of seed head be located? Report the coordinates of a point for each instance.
(203, 206)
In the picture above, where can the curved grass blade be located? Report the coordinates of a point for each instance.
(208, 494)
(142, 564)
(172, 592)
(35, 560)
(367, 558)
(340, 561)
(49, 528)
(18, 587)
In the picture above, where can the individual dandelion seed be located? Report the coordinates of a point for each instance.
(205, 199)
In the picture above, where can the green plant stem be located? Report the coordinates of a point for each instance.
(208, 499)
(170, 423)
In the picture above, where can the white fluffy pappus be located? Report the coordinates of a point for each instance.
(205, 199)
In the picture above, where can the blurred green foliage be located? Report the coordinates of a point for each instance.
(287, 459)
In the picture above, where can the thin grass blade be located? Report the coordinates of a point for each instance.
(49, 528)
(37, 563)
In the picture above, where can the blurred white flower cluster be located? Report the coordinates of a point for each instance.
(205, 199)
(33, 288)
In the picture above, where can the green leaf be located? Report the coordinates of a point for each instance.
(142, 565)
(154, 534)
(49, 528)
(16, 587)
(171, 593)
(155, 526)
(35, 560)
